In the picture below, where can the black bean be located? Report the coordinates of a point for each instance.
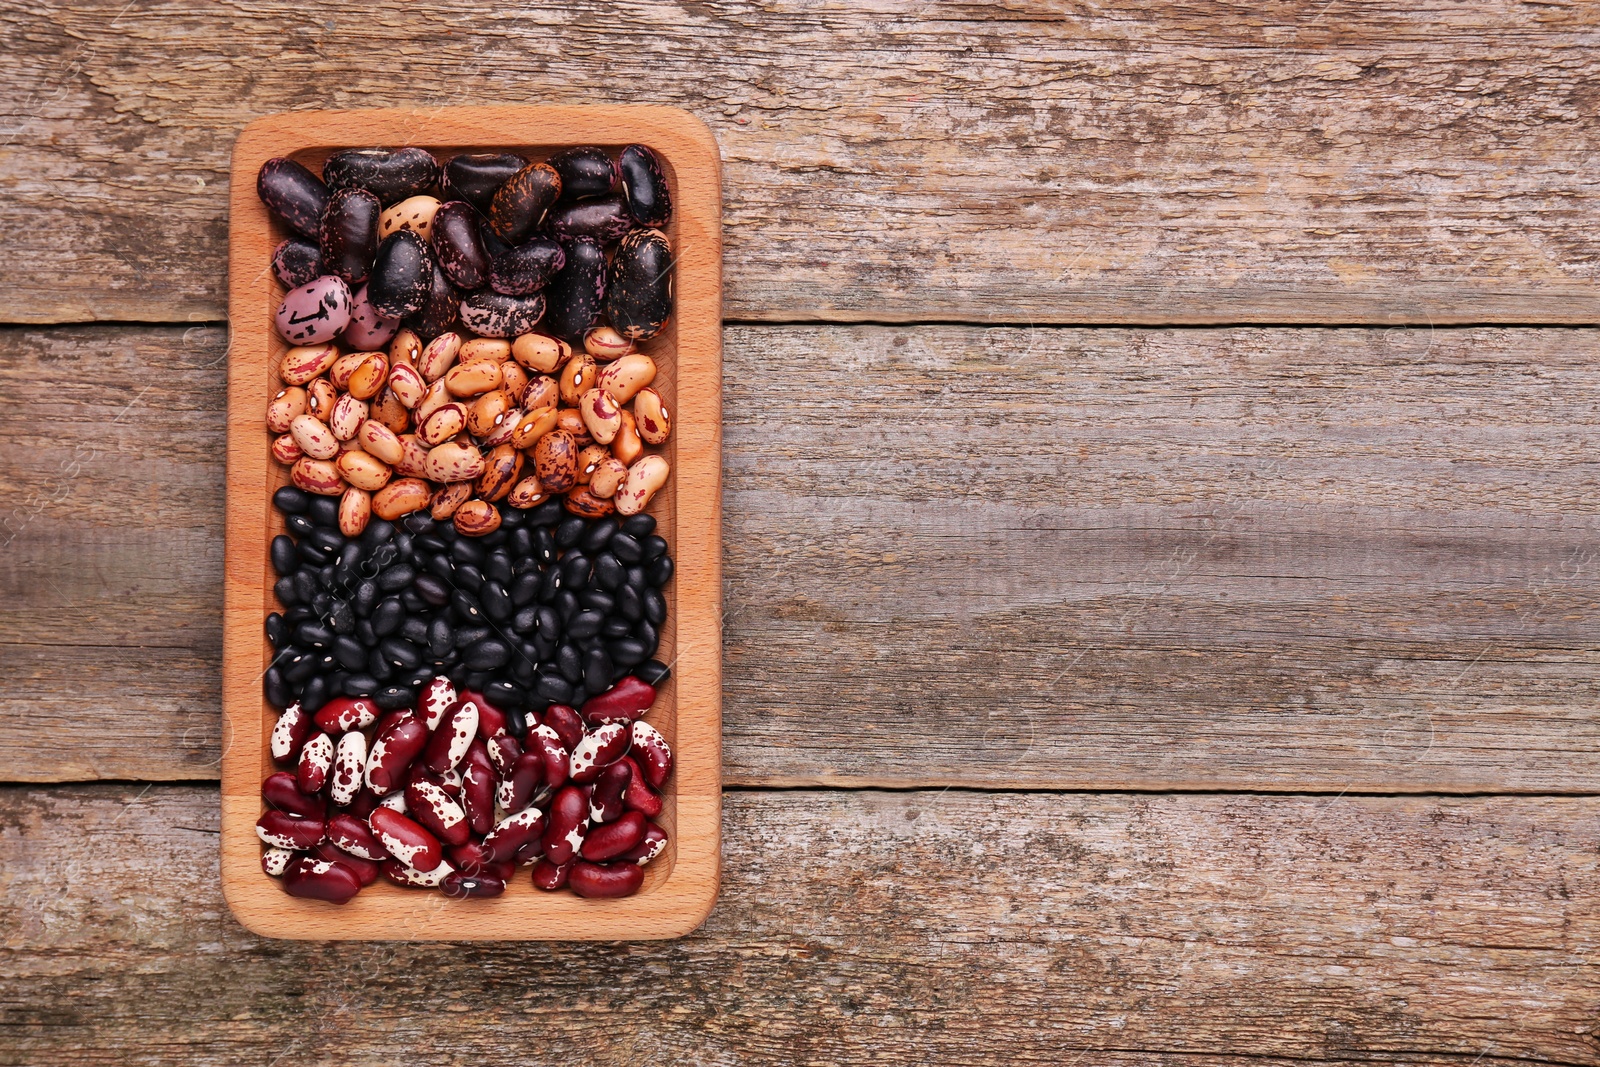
(570, 532)
(525, 666)
(597, 536)
(580, 693)
(275, 629)
(365, 633)
(498, 566)
(432, 589)
(609, 572)
(652, 672)
(655, 606)
(654, 547)
(469, 577)
(516, 721)
(597, 600)
(487, 655)
(638, 293)
(275, 689)
(574, 570)
(647, 633)
(629, 604)
(626, 547)
(298, 614)
(413, 601)
(519, 544)
(300, 669)
(322, 603)
(544, 544)
(441, 637)
(291, 501)
(474, 680)
(324, 574)
(644, 183)
(465, 607)
(394, 697)
(544, 647)
(570, 663)
(415, 630)
(550, 625)
(547, 514)
(659, 573)
(315, 694)
(567, 604)
(475, 176)
(402, 654)
(628, 651)
(471, 635)
(383, 555)
(349, 652)
(585, 171)
(397, 577)
(312, 552)
(377, 532)
(510, 519)
(639, 525)
(405, 544)
(324, 511)
(342, 617)
(430, 544)
(416, 678)
(387, 616)
(467, 550)
(392, 174)
(313, 635)
(379, 667)
(359, 685)
(617, 626)
(366, 597)
(550, 585)
(636, 578)
(554, 688)
(525, 588)
(496, 601)
(585, 623)
(418, 522)
(284, 558)
(526, 620)
(597, 669)
(287, 591)
(299, 525)
(442, 566)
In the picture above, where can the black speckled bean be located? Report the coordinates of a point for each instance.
(297, 262)
(438, 312)
(527, 268)
(491, 314)
(521, 204)
(402, 273)
(293, 194)
(644, 184)
(391, 174)
(458, 245)
(349, 233)
(604, 219)
(474, 176)
(585, 172)
(638, 297)
(577, 293)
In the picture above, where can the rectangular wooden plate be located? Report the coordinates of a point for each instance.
(681, 885)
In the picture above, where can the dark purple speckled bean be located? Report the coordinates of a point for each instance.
(458, 245)
(645, 186)
(350, 234)
(293, 194)
(526, 268)
(475, 176)
(402, 273)
(577, 291)
(605, 219)
(521, 204)
(438, 312)
(390, 174)
(585, 172)
(639, 287)
(491, 314)
(297, 262)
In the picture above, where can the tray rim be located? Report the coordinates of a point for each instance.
(681, 902)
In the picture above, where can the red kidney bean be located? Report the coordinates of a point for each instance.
(551, 876)
(544, 740)
(448, 745)
(349, 765)
(613, 839)
(316, 759)
(282, 830)
(567, 724)
(355, 837)
(640, 797)
(503, 753)
(405, 840)
(599, 749)
(395, 801)
(605, 798)
(568, 823)
(654, 843)
(470, 858)
(321, 880)
(401, 875)
(363, 804)
(514, 831)
(491, 720)
(438, 698)
(460, 886)
(276, 860)
(516, 792)
(386, 723)
(530, 852)
(652, 752)
(347, 713)
(477, 788)
(623, 702)
(289, 733)
(282, 791)
(393, 752)
(429, 805)
(366, 871)
(605, 880)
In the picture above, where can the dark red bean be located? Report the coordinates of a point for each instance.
(477, 788)
(653, 753)
(318, 879)
(282, 830)
(623, 702)
(605, 799)
(350, 832)
(654, 843)
(567, 824)
(366, 871)
(599, 881)
(566, 722)
(543, 740)
(393, 752)
(551, 876)
(504, 841)
(639, 796)
(405, 840)
(613, 839)
(460, 886)
(280, 789)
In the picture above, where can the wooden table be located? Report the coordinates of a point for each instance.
(1161, 535)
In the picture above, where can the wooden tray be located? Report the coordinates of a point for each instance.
(681, 885)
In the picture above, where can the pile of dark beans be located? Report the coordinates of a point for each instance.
(551, 608)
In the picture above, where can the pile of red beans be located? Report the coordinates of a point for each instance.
(443, 796)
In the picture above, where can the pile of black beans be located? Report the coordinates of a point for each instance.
(551, 608)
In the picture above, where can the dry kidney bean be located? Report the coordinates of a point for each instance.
(393, 752)
(551, 876)
(349, 767)
(605, 880)
(474, 177)
(281, 790)
(293, 194)
(349, 234)
(604, 219)
(434, 809)
(605, 799)
(321, 880)
(275, 860)
(460, 886)
(639, 796)
(282, 830)
(366, 871)
(652, 752)
(516, 790)
(352, 834)
(645, 186)
(599, 748)
(401, 875)
(290, 733)
(478, 788)
(629, 699)
(391, 174)
(654, 843)
(316, 759)
(402, 274)
(526, 268)
(513, 832)
(611, 840)
(567, 824)
(297, 262)
(584, 172)
(406, 840)
(639, 287)
(454, 735)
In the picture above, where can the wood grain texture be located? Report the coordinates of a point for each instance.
(681, 885)
(913, 928)
(1152, 559)
(1361, 161)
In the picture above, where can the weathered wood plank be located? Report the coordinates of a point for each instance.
(863, 927)
(1151, 559)
(1147, 162)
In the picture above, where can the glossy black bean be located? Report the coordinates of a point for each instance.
(659, 572)
(616, 626)
(402, 273)
(469, 578)
(349, 653)
(511, 518)
(598, 669)
(359, 685)
(377, 532)
(418, 522)
(471, 635)
(342, 617)
(566, 604)
(428, 544)
(441, 637)
(432, 589)
(474, 176)
(525, 588)
(636, 577)
(400, 653)
(391, 174)
(516, 720)
(297, 262)
(285, 560)
(324, 511)
(523, 201)
(644, 185)
(294, 195)
(570, 663)
(457, 246)
(585, 623)
(468, 550)
(576, 295)
(366, 597)
(394, 697)
(291, 501)
(638, 298)
(276, 630)
(415, 630)
(543, 647)
(324, 574)
(349, 234)
(491, 314)
(312, 552)
(316, 693)
(629, 603)
(550, 585)
(275, 689)
(526, 268)
(585, 172)
(298, 614)
(379, 666)
(526, 620)
(487, 655)
(381, 557)
(646, 632)
(465, 607)
(322, 603)
(655, 606)
(628, 651)
(570, 532)
(442, 566)
(498, 566)
(365, 633)
(575, 568)
(475, 679)
(640, 526)
(654, 547)
(550, 624)
(300, 669)
(627, 548)
(299, 525)
(439, 311)
(554, 688)
(597, 599)
(495, 601)
(519, 544)
(597, 534)
(397, 577)
(609, 572)
(387, 616)
(307, 583)
(652, 672)
(547, 514)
